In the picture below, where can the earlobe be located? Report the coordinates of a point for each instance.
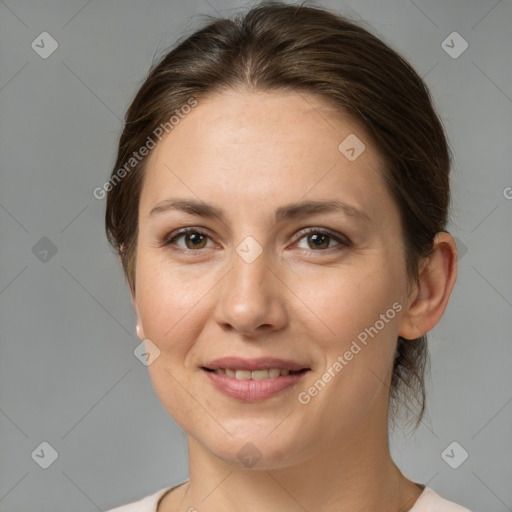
(138, 328)
(434, 287)
(140, 331)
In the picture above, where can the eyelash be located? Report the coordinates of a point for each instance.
(343, 242)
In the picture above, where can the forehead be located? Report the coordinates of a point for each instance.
(264, 147)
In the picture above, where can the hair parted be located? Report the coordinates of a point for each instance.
(275, 46)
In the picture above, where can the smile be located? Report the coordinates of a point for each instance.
(253, 385)
(263, 374)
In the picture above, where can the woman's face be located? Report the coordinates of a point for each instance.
(255, 285)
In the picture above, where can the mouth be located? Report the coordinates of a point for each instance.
(240, 374)
(252, 380)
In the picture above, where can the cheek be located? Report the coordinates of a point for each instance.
(169, 298)
(355, 324)
(171, 304)
(338, 305)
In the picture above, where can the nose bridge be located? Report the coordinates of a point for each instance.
(249, 280)
(249, 296)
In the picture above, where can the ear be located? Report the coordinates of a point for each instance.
(429, 299)
(138, 328)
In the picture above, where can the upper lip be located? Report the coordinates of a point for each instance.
(260, 363)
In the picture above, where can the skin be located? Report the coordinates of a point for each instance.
(250, 153)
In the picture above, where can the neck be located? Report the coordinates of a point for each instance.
(355, 476)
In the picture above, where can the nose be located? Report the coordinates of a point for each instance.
(251, 298)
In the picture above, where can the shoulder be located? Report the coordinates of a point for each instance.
(430, 501)
(147, 504)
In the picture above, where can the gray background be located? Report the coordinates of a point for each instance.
(68, 375)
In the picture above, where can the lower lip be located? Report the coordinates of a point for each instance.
(251, 390)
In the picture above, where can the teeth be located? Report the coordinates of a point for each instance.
(243, 374)
(272, 373)
(260, 374)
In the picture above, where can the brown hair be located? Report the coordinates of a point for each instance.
(276, 46)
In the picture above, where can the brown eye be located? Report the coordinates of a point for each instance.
(194, 239)
(321, 240)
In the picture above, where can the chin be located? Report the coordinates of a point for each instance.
(253, 448)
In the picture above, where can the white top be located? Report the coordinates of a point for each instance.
(428, 501)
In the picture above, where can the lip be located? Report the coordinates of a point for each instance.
(260, 363)
(251, 390)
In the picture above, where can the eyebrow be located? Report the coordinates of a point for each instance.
(286, 212)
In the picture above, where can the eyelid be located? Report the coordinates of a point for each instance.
(168, 239)
(338, 237)
(342, 239)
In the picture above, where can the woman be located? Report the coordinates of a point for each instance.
(279, 205)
